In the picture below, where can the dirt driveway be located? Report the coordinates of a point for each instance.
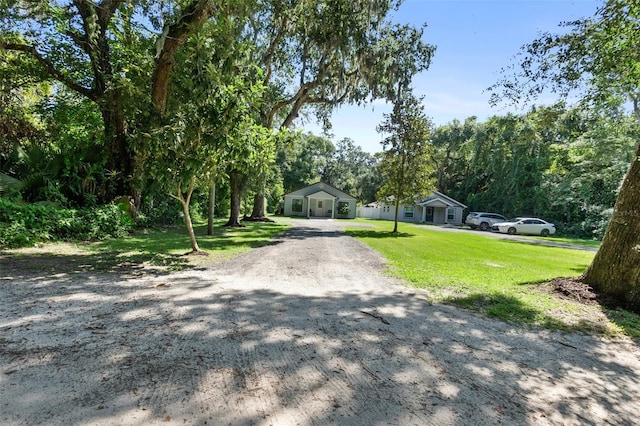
(306, 331)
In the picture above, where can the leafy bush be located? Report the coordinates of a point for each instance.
(29, 224)
(159, 210)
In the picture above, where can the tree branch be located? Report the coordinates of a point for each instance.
(172, 38)
(266, 60)
(50, 68)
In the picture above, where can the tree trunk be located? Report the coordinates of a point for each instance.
(258, 212)
(186, 201)
(235, 183)
(212, 207)
(187, 220)
(615, 270)
(395, 221)
(119, 158)
(258, 206)
(172, 38)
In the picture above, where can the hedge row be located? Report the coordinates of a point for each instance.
(23, 225)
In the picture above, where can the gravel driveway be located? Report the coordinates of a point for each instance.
(306, 331)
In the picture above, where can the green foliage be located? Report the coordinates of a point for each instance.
(211, 120)
(31, 224)
(343, 208)
(593, 59)
(10, 187)
(302, 158)
(156, 209)
(564, 165)
(353, 170)
(405, 165)
(326, 53)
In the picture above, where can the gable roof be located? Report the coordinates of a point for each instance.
(318, 188)
(321, 194)
(438, 199)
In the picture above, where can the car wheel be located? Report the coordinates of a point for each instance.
(512, 231)
(544, 232)
(484, 226)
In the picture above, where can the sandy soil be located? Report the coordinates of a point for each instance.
(306, 331)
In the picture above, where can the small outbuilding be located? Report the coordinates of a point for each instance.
(320, 200)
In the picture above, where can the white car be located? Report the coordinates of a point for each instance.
(526, 225)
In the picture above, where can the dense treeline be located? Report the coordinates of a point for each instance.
(564, 165)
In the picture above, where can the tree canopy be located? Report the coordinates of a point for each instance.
(405, 163)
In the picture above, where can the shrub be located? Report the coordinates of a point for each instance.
(29, 224)
(159, 210)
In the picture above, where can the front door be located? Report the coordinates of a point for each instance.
(429, 215)
(320, 208)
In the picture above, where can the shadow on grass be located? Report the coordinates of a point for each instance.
(126, 256)
(629, 322)
(512, 310)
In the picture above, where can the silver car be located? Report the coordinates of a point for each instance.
(526, 225)
(483, 221)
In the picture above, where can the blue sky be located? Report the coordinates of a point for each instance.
(474, 39)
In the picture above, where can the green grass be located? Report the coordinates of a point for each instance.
(153, 250)
(574, 241)
(499, 278)
(167, 247)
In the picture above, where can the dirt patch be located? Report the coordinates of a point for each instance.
(308, 331)
(574, 289)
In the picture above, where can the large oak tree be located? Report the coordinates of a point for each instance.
(103, 50)
(326, 53)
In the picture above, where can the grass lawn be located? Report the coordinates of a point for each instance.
(151, 248)
(166, 247)
(574, 241)
(499, 278)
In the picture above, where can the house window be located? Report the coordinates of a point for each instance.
(451, 214)
(408, 212)
(343, 207)
(385, 209)
(296, 205)
(319, 204)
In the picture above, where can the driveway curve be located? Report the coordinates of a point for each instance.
(305, 331)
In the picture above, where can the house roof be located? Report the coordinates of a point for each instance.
(435, 199)
(317, 189)
(321, 194)
(438, 199)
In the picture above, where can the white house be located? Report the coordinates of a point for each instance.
(320, 200)
(437, 208)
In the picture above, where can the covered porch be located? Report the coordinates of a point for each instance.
(321, 204)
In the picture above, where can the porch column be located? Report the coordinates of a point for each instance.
(424, 214)
(308, 207)
(333, 208)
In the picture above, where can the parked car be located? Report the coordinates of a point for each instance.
(526, 225)
(483, 221)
